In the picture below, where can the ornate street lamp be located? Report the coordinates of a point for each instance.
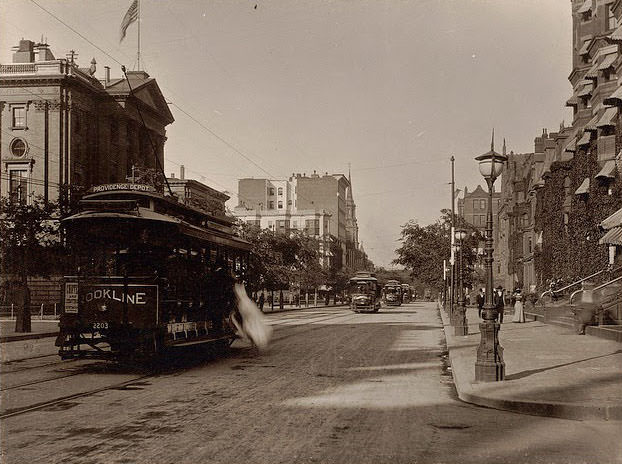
(460, 322)
(489, 366)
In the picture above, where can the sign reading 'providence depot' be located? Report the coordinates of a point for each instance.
(122, 186)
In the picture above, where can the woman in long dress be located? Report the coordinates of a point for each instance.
(519, 313)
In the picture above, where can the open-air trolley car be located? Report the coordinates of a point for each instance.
(152, 274)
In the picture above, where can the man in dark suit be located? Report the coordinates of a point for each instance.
(481, 298)
(499, 305)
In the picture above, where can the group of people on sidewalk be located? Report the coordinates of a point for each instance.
(499, 302)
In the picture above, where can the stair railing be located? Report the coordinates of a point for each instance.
(617, 279)
(558, 290)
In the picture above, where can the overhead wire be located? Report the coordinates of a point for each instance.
(196, 120)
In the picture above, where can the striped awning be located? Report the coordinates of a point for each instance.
(586, 90)
(584, 187)
(584, 48)
(615, 220)
(587, 6)
(616, 36)
(572, 146)
(607, 61)
(592, 73)
(608, 171)
(572, 101)
(615, 98)
(591, 125)
(612, 237)
(585, 140)
(608, 117)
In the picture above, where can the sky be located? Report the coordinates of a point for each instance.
(390, 89)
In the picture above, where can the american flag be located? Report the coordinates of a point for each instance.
(129, 18)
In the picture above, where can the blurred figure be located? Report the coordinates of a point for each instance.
(252, 326)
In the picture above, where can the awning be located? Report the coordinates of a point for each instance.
(608, 117)
(585, 47)
(616, 36)
(612, 237)
(592, 73)
(608, 170)
(615, 220)
(607, 61)
(591, 125)
(572, 101)
(585, 140)
(572, 146)
(586, 90)
(615, 98)
(587, 6)
(584, 187)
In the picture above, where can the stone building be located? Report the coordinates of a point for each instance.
(63, 128)
(320, 203)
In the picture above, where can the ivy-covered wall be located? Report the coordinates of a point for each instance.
(572, 251)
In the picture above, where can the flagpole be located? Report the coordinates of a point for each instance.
(138, 2)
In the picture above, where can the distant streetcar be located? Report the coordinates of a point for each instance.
(364, 292)
(151, 274)
(406, 293)
(392, 293)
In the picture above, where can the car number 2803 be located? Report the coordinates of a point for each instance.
(100, 325)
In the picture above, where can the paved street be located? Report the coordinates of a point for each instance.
(334, 387)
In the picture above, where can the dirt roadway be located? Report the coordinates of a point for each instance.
(334, 387)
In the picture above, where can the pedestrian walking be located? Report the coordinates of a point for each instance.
(262, 299)
(499, 304)
(481, 298)
(519, 313)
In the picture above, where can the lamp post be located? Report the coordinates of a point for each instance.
(489, 366)
(461, 326)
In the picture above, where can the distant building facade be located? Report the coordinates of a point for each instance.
(61, 127)
(319, 205)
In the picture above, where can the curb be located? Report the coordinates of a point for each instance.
(560, 410)
(27, 336)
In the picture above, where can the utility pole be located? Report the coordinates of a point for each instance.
(452, 259)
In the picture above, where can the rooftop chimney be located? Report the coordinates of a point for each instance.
(43, 52)
(172, 175)
(24, 52)
(182, 172)
(107, 74)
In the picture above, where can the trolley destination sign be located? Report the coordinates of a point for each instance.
(122, 186)
(94, 301)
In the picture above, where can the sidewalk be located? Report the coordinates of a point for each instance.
(40, 329)
(549, 370)
(49, 328)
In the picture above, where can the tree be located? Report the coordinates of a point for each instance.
(424, 248)
(29, 241)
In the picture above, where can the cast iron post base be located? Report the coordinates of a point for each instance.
(489, 366)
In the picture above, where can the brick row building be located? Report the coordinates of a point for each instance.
(554, 200)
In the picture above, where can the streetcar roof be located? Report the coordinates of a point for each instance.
(145, 214)
(363, 279)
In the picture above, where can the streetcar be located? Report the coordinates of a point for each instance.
(364, 292)
(151, 275)
(392, 293)
(407, 295)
